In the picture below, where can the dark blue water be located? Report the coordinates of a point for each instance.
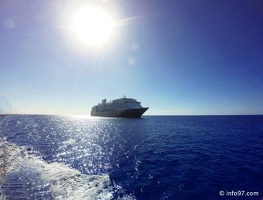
(156, 157)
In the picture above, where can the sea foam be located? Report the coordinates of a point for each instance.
(30, 177)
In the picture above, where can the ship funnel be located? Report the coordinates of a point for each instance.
(104, 101)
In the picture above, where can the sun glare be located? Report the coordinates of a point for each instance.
(92, 25)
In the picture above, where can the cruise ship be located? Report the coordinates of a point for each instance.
(123, 107)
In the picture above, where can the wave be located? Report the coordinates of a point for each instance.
(26, 176)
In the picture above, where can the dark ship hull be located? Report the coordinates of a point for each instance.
(127, 113)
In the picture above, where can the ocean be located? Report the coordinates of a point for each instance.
(155, 157)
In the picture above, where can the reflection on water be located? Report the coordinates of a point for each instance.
(65, 157)
(61, 157)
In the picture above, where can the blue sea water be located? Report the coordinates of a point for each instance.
(155, 157)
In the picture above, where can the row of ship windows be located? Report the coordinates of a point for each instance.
(109, 107)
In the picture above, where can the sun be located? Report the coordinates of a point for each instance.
(92, 25)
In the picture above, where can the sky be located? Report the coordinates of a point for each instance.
(177, 57)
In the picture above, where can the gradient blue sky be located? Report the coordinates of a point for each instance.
(179, 57)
